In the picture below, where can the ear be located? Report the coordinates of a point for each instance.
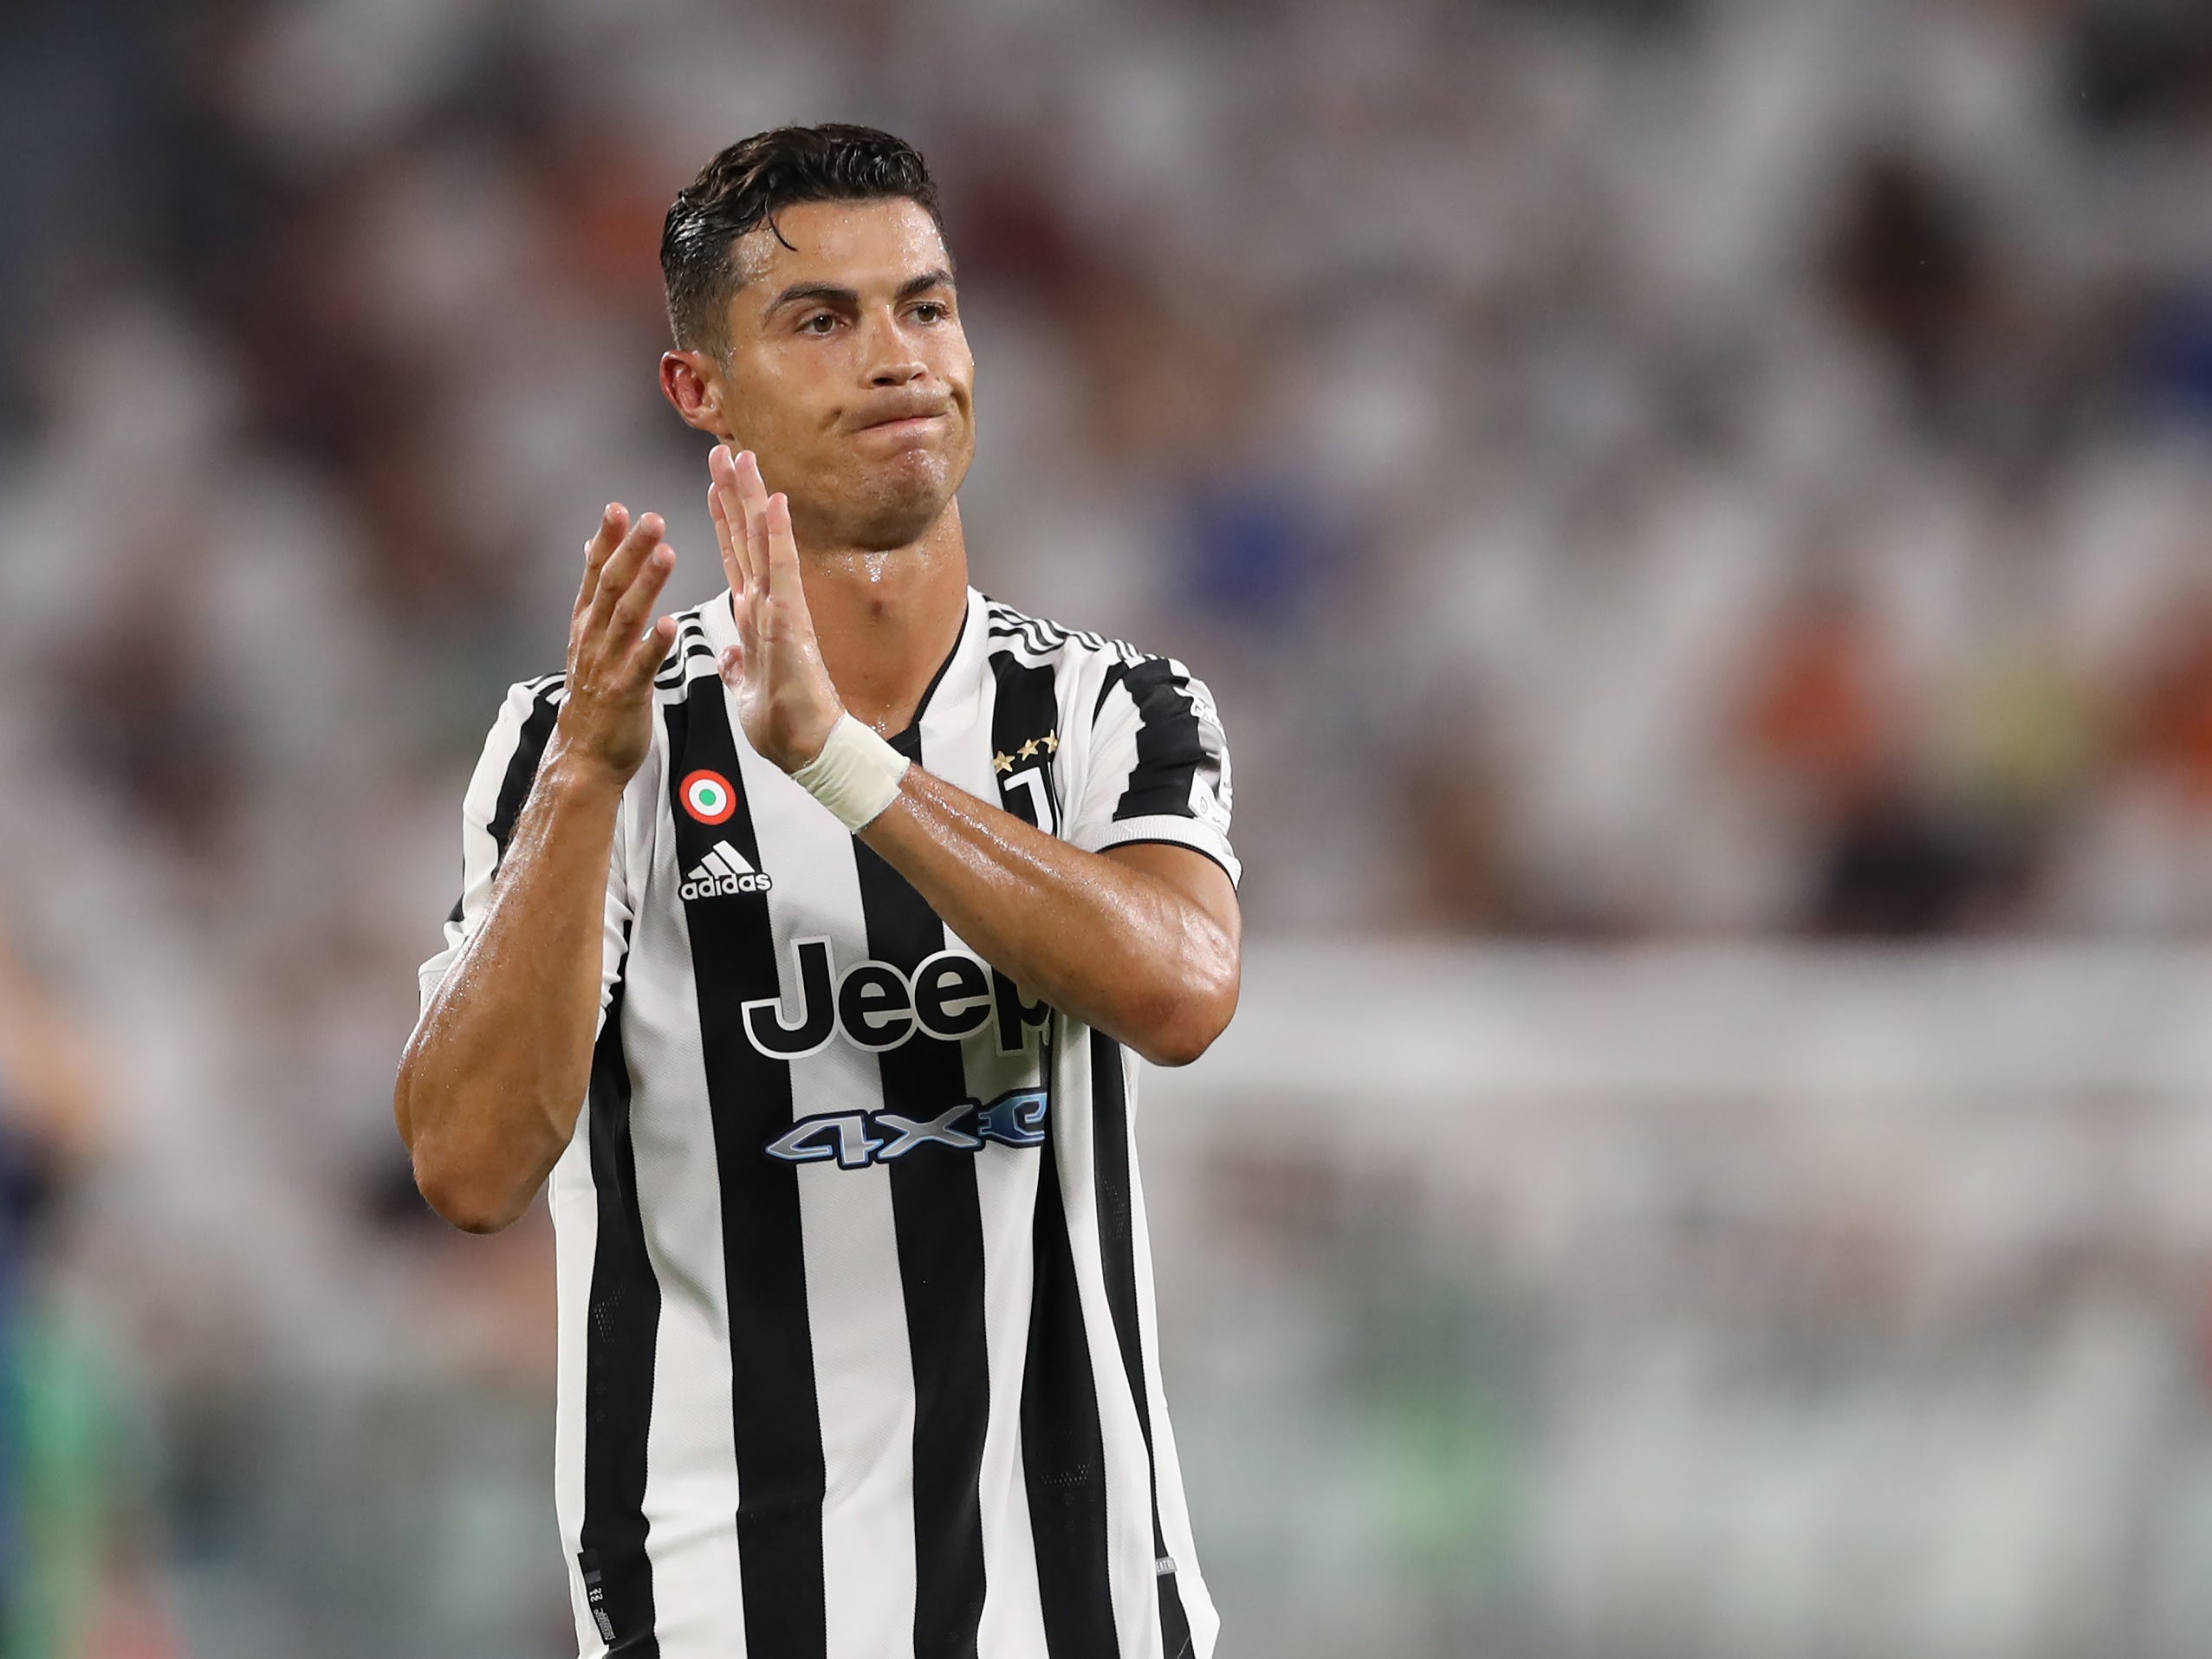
(689, 380)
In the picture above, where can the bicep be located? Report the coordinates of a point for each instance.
(1192, 877)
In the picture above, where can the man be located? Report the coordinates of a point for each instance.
(804, 941)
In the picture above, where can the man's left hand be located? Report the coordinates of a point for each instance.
(785, 700)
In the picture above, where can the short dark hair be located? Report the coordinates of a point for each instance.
(748, 184)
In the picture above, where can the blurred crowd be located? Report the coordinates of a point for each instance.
(1627, 468)
(1743, 1302)
(1627, 465)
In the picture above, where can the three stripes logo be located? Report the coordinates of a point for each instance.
(724, 873)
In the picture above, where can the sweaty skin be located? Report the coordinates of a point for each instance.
(493, 1076)
(846, 379)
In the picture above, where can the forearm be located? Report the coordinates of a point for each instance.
(1108, 943)
(1142, 945)
(490, 1083)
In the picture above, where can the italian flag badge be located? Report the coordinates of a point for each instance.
(708, 797)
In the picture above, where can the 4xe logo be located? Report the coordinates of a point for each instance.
(873, 1004)
(856, 1139)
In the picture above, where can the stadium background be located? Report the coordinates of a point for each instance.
(1698, 514)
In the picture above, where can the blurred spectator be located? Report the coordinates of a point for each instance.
(1909, 270)
(2166, 714)
(1461, 883)
(1894, 869)
(77, 1551)
(2137, 64)
(1818, 711)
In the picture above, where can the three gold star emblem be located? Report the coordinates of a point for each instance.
(1049, 744)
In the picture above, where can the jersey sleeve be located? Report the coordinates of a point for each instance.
(502, 783)
(1158, 765)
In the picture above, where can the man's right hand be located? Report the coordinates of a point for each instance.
(608, 720)
(491, 1081)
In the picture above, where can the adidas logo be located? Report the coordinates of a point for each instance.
(724, 873)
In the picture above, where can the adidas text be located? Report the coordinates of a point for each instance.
(724, 873)
(713, 886)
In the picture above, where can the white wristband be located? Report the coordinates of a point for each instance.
(856, 775)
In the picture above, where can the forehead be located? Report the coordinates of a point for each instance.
(860, 245)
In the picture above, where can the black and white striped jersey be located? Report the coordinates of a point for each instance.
(858, 1353)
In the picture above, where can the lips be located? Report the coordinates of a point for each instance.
(905, 419)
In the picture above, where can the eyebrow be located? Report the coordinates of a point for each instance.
(830, 294)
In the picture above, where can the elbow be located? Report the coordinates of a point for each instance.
(1188, 1018)
(467, 1204)
(1177, 1047)
(455, 1194)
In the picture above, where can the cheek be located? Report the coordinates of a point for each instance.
(957, 369)
(948, 352)
(779, 404)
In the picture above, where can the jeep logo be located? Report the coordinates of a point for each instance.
(873, 1004)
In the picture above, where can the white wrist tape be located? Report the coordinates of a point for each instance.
(856, 775)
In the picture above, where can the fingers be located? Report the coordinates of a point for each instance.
(752, 496)
(621, 569)
(650, 650)
(725, 500)
(782, 546)
(613, 521)
(732, 664)
(759, 551)
(627, 620)
(732, 572)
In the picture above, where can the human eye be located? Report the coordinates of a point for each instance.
(932, 311)
(817, 323)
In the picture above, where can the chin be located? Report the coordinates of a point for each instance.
(902, 500)
(890, 528)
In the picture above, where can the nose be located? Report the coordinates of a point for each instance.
(898, 369)
(897, 361)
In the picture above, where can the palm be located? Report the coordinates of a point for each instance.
(786, 704)
(777, 663)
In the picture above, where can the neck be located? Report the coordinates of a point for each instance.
(887, 620)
